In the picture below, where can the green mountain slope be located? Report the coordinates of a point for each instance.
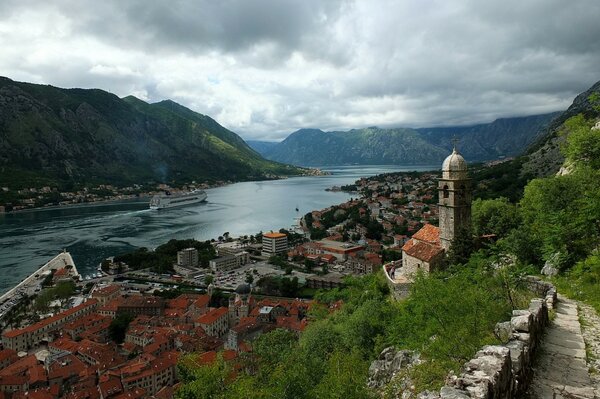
(262, 147)
(359, 146)
(503, 137)
(54, 135)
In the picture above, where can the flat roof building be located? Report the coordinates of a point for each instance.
(274, 244)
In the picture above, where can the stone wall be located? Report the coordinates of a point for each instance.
(504, 371)
(400, 289)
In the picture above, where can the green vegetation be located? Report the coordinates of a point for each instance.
(162, 259)
(502, 180)
(279, 286)
(118, 327)
(495, 216)
(91, 137)
(583, 281)
(63, 290)
(447, 318)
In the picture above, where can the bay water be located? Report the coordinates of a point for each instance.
(96, 231)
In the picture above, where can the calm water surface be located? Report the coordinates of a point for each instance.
(94, 232)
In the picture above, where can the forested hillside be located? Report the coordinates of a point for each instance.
(54, 136)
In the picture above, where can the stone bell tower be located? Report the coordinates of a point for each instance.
(454, 204)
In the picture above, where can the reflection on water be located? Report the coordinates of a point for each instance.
(94, 232)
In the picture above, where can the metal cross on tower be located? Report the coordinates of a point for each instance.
(455, 141)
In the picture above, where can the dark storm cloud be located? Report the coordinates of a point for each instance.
(265, 68)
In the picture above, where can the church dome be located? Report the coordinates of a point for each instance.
(243, 289)
(454, 166)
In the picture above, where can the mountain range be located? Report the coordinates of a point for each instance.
(313, 147)
(50, 135)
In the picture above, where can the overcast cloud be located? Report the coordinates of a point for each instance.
(266, 68)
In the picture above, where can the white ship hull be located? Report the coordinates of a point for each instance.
(168, 200)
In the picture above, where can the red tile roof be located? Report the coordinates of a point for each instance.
(422, 250)
(105, 291)
(49, 320)
(213, 315)
(428, 233)
(209, 357)
(202, 301)
(274, 235)
(7, 354)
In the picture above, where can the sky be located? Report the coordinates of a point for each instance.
(267, 68)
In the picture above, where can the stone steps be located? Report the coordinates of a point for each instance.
(560, 369)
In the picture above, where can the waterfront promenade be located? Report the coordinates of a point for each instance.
(34, 280)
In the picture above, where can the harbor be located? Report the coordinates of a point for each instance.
(33, 283)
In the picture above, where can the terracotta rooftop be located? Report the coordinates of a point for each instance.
(213, 315)
(422, 250)
(202, 301)
(6, 354)
(108, 290)
(274, 235)
(428, 233)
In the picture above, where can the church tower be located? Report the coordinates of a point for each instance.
(454, 204)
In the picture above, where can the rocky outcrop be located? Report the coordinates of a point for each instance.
(388, 364)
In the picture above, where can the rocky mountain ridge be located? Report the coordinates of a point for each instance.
(502, 138)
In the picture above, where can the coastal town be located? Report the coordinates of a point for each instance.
(119, 332)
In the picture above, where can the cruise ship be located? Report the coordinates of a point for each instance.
(170, 200)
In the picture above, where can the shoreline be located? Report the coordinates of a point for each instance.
(141, 198)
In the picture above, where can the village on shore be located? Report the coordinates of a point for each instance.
(119, 333)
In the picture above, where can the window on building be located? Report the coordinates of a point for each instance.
(446, 191)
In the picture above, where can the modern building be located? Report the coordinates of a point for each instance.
(187, 257)
(229, 262)
(274, 244)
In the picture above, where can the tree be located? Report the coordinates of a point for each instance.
(273, 347)
(495, 216)
(309, 265)
(583, 142)
(462, 246)
(249, 278)
(207, 381)
(118, 327)
(208, 279)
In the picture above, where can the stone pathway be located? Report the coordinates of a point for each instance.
(561, 370)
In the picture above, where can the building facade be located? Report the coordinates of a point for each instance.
(187, 257)
(274, 244)
(229, 262)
